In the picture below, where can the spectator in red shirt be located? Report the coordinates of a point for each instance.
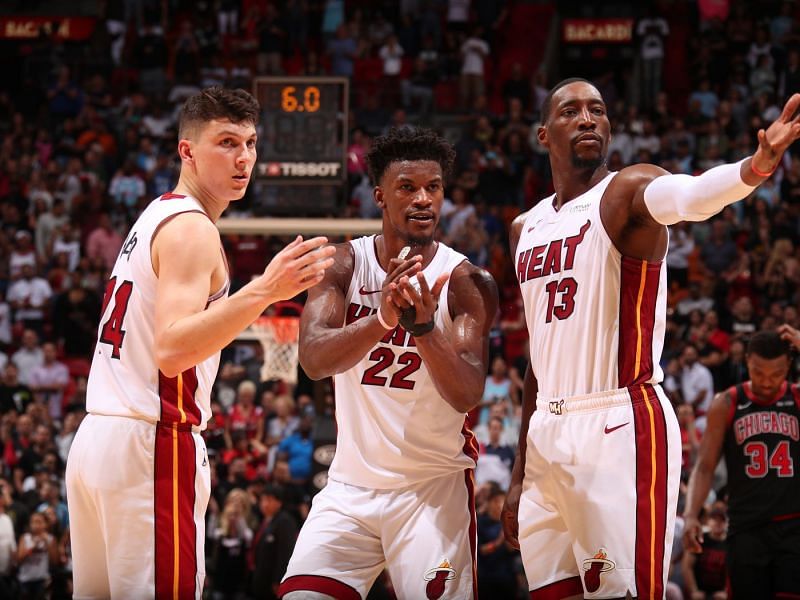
(104, 242)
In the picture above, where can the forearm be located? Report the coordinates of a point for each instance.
(326, 351)
(189, 340)
(458, 375)
(674, 198)
(699, 486)
(530, 389)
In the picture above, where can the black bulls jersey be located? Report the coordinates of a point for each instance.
(762, 453)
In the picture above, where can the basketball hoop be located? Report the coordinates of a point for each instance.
(278, 335)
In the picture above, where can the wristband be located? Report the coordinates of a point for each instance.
(381, 321)
(761, 173)
(420, 329)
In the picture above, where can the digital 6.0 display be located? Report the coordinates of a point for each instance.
(303, 129)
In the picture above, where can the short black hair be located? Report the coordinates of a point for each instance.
(768, 344)
(547, 99)
(409, 143)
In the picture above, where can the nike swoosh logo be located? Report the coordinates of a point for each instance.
(610, 429)
(743, 406)
(364, 292)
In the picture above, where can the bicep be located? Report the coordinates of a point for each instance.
(325, 306)
(186, 251)
(716, 426)
(475, 308)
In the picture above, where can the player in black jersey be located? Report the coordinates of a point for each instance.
(755, 426)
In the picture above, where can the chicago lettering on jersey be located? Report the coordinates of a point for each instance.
(766, 422)
(555, 257)
(396, 337)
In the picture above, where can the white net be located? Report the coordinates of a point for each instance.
(278, 336)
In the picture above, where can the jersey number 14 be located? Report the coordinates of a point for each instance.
(112, 332)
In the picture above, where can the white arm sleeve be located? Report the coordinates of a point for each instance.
(674, 198)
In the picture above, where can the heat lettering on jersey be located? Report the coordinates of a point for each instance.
(554, 257)
(766, 422)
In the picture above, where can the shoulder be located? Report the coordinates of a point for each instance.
(340, 273)
(472, 289)
(634, 178)
(515, 230)
(187, 227)
(467, 278)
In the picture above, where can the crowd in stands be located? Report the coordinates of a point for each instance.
(87, 138)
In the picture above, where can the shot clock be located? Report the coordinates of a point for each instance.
(303, 129)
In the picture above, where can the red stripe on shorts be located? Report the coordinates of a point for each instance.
(469, 480)
(174, 499)
(320, 584)
(651, 491)
(638, 292)
(178, 394)
(559, 589)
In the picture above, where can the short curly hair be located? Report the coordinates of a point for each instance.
(409, 143)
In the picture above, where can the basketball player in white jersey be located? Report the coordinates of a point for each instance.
(400, 488)
(595, 485)
(137, 474)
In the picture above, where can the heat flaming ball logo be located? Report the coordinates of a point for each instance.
(599, 563)
(437, 577)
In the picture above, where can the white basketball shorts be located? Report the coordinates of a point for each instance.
(425, 535)
(137, 494)
(597, 512)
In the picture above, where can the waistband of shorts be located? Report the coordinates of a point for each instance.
(187, 427)
(560, 405)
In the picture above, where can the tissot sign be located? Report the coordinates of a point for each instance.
(598, 31)
(66, 28)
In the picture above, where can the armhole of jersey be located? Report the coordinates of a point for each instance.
(446, 291)
(796, 393)
(734, 397)
(166, 220)
(360, 261)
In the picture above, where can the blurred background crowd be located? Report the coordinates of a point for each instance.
(88, 136)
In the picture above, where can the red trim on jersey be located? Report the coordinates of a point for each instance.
(638, 292)
(747, 386)
(787, 596)
(559, 589)
(471, 447)
(171, 196)
(173, 503)
(787, 517)
(796, 393)
(320, 584)
(469, 480)
(734, 401)
(176, 395)
(651, 491)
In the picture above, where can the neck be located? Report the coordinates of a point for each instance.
(570, 182)
(214, 207)
(388, 247)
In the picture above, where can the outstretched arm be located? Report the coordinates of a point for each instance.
(185, 255)
(703, 472)
(642, 199)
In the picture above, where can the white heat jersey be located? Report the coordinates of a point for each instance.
(595, 318)
(394, 427)
(124, 379)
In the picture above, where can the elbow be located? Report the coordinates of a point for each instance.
(171, 362)
(313, 371)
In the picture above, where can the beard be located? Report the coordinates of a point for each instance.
(587, 163)
(419, 240)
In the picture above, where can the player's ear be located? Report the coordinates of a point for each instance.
(377, 194)
(541, 135)
(185, 150)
